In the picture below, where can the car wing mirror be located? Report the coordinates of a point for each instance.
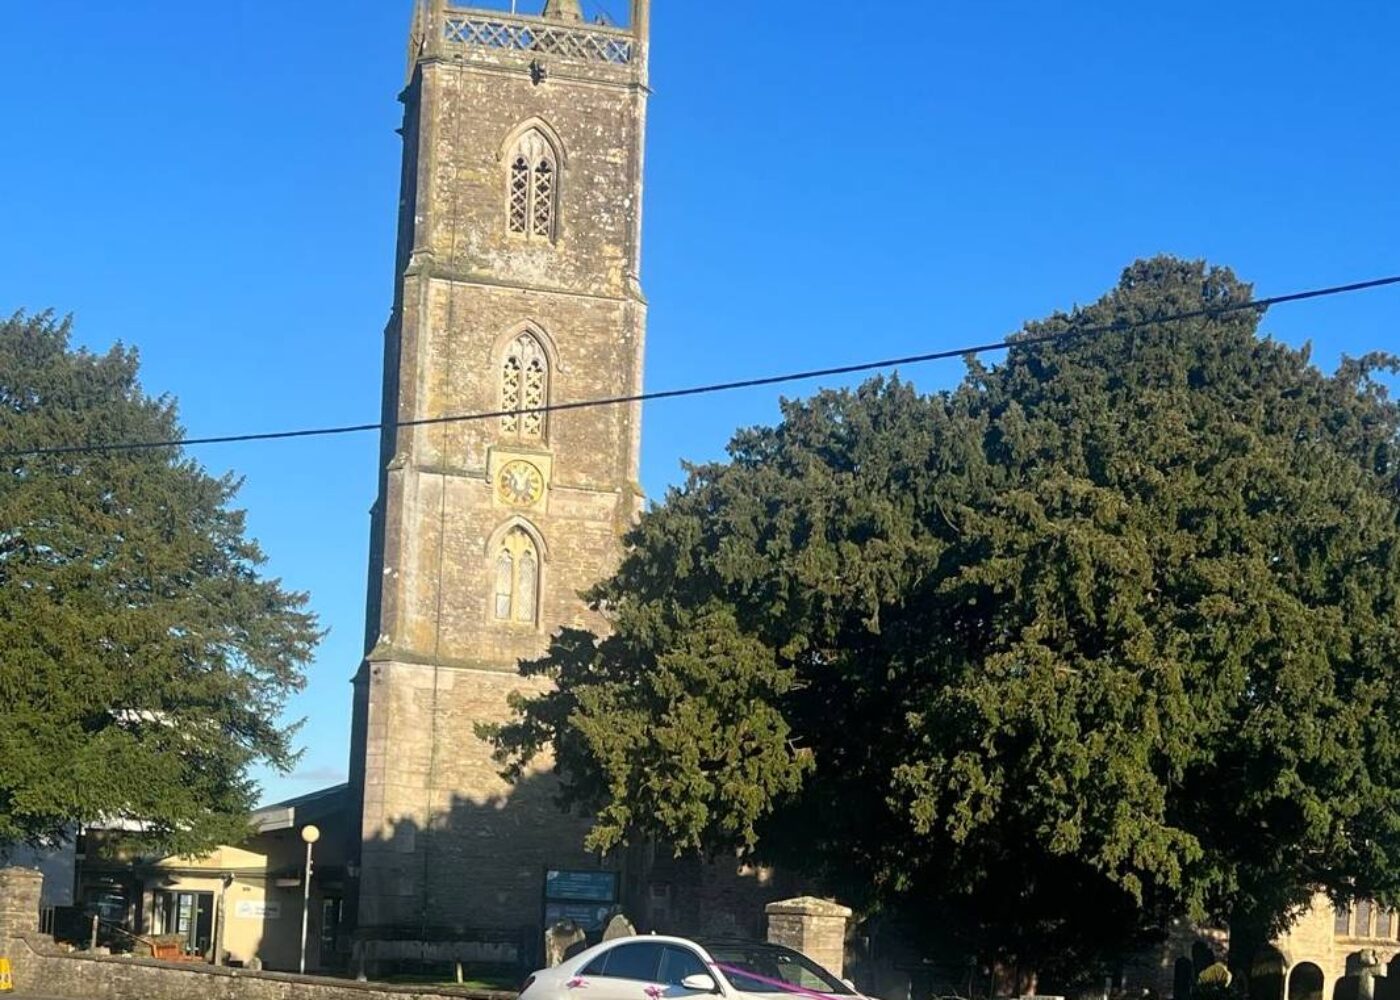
(701, 982)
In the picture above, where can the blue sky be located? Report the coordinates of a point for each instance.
(828, 182)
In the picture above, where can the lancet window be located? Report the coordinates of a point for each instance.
(517, 574)
(525, 389)
(533, 187)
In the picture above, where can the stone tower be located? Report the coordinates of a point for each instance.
(516, 286)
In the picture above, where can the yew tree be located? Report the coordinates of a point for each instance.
(1106, 635)
(144, 658)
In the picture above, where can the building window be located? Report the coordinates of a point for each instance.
(331, 912)
(533, 188)
(1342, 925)
(1363, 918)
(517, 573)
(525, 389)
(109, 901)
(1383, 924)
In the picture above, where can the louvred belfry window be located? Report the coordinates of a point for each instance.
(525, 389)
(533, 188)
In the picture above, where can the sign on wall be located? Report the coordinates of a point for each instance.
(257, 909)
(586, 898)
(581, 887)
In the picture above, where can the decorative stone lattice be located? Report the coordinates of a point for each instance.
(524, 389)
(531, 187)
(587, 45)
(510, 394)
(533, 422)
(520, 196)
(544, 200)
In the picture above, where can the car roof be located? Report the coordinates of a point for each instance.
(639, 939)
(703, 942)
(739, 942)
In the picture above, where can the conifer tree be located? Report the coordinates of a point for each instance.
(144, 661)
(1107, 635)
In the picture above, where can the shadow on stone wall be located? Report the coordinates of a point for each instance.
(469, 886)
(465, 887)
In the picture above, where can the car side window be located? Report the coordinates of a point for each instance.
(678, 963)
(641, 961)
(794, 973)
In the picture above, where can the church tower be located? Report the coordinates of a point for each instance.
(516, 287)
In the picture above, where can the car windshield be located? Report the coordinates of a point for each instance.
(765, 968)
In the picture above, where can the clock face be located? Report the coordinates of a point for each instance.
(520, 484)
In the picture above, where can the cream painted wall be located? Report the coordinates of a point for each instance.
(259, 919)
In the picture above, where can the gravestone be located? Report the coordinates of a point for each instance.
(619, 927)
(561, 941)
(1368, 968)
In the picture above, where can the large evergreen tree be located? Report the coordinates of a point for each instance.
(1106, 635)
(144, 662)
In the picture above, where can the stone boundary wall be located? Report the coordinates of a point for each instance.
(41, 969)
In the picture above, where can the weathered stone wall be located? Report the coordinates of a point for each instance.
(41, 967)
(111, 978)
(20, 892)
(450, 855)
(449, 851)
(467, 854)
(1312, 940)
(814, 927)
(439, 572)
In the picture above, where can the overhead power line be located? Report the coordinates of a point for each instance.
(714, 387)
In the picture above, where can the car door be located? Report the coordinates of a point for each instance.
(678, 962)
(629, 971)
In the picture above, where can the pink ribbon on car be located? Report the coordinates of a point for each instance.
(786, 987)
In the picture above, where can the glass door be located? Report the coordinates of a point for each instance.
(189, 915)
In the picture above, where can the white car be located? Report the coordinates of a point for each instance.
(669, 968)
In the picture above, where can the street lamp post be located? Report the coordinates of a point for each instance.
(310, 834)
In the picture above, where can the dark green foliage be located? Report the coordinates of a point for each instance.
(143, 660)
(1106, 635)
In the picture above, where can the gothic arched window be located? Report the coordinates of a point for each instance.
(517, 575)
(525, 389)
(533, 187)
